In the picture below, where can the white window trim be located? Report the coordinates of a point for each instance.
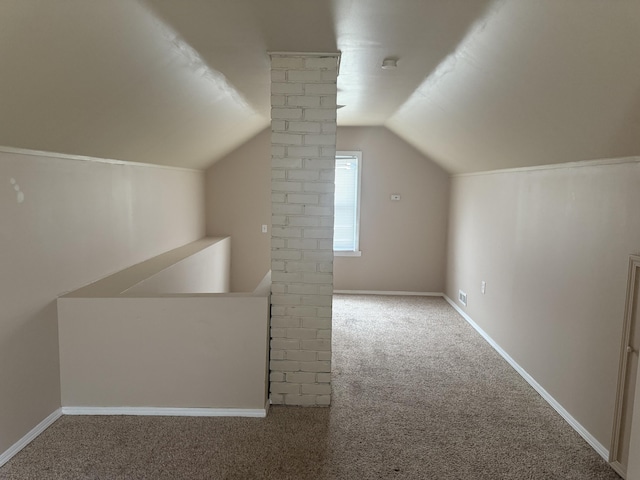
(347, 253)
(356, 252)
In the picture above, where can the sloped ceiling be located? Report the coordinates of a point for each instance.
(479, 85)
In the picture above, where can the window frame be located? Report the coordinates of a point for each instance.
(357, 154)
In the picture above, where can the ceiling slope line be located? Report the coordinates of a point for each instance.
(85, 158)
(554, 166)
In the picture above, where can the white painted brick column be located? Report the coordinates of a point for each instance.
(303, 147)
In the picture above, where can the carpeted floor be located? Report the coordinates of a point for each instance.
(418, 394)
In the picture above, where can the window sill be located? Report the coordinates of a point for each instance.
(342, 253)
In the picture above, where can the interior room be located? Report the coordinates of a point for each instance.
(500, 146)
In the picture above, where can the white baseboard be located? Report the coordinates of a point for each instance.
(166, 411)
(173, 412)
(29, 437)
(391, 292)
(584, 433)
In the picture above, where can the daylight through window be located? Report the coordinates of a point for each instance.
(346, 235)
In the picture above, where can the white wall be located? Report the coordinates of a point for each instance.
(553, 246)
(78, 221)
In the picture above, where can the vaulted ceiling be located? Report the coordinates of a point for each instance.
(480, 84)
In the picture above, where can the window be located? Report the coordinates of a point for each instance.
(346, 230)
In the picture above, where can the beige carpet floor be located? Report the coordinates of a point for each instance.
(418, 394)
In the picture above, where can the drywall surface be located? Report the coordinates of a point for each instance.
(403, 243)
(238, 193)
(553, 246)
(179, 351)
(165, 272)
(205, 271)
(66, 223)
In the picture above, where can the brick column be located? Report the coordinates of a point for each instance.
(303, 147)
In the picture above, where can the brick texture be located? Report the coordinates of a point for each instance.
(303, 146)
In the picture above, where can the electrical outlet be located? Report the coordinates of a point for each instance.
(264, 229)
(483, 287)
(395, 197)
(462, 297)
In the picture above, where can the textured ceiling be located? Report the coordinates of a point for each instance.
(479, 85)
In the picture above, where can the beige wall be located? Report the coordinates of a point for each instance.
(201, 351)
(238, 199)
(205, 271)
(403, 243)
(78, 221)
(553, 247)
